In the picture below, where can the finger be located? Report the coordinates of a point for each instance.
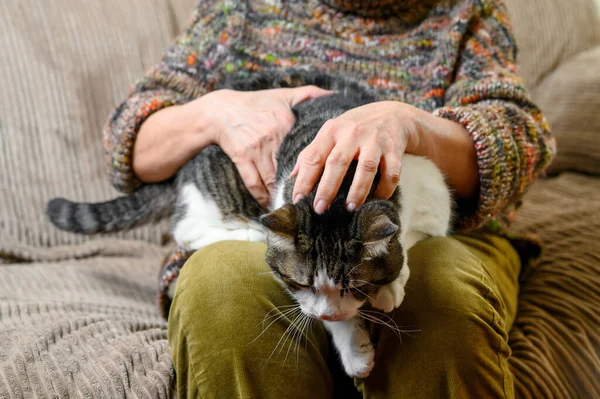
(336, 167)
(296, 95)
(295, 170)
(266, 169)
(253, 182)
(368, 164)
(309, 166)
(390, 169)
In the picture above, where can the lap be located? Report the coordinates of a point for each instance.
(459, 286)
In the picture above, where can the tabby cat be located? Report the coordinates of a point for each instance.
(331, 263)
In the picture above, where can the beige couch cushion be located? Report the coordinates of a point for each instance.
(84, 329)
(64, 67)
(560, 62)
(570, 97)
(556, 335)
(549, 32)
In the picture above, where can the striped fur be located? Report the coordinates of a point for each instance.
(211, 171)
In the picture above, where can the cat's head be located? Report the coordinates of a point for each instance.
(332, 263)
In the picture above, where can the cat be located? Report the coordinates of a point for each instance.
(332, 263)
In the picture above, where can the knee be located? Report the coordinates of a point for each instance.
(218, 280)
(450, 292)
(446, 277)
(456, 339)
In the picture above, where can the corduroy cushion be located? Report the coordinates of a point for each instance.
(555, 339)
(560, 62)
(64, 67)
(550, 32)
(570, 97)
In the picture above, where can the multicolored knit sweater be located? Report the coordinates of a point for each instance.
(454, 58)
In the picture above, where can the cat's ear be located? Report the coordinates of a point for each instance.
(376, 227)
(281, 221)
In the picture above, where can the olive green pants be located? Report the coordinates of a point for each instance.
(228, 323)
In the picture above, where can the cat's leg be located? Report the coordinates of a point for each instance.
(202, 223)
(354, 346)
(391, 295)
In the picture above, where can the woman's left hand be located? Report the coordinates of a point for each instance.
(376, 134)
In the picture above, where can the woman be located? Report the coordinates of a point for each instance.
(447, 69)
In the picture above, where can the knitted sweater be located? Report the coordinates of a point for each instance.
(453, 58)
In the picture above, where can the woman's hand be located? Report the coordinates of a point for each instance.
(248, 126)
(377, 135)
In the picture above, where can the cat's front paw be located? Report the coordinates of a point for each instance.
(358, 362)
(389, 296)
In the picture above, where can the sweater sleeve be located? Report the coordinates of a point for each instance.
(511, 137)
(188, 69)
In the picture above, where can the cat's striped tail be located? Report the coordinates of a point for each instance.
(150, 202)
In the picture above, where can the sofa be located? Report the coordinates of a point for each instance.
(78, 314)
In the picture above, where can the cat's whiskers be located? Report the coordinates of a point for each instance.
(364, 282)
(309, 330)
(359, 290)
(279, 342)
(375, 320)
(286, 335)
(364, 332)
(288, 312)
(264, 273)
(284, 312)
(351, 294)
(351, 270)
(293, 339)
(279, 308)
(371, 315)
(303, 333)
(407, 287)
(378, 313)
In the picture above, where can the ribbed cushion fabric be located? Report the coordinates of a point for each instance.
(570, 97)
(559, 59)
(555, 340)
(83, 329)
(549, 32)
(64, 66)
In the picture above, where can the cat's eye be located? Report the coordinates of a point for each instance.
(294, 284)
(298, 286)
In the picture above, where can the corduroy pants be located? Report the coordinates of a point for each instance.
(460, 302)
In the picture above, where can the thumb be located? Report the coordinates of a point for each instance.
(296, 95)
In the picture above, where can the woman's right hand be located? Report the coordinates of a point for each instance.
(248, 126)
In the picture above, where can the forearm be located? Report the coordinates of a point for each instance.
(167, 140)
(450, 147)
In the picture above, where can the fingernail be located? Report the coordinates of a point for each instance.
(298, 198)
(321, 206)
(351, 206)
